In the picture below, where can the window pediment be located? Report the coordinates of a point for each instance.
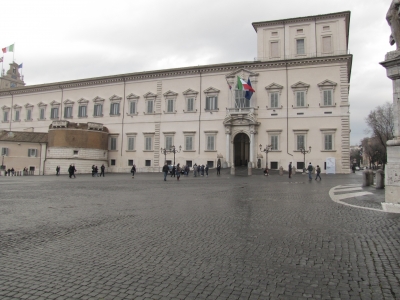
(132, 96)
(41, 104)
(68, 102)
(273, 86)
(5, 108)
(149, 96)
(327, 84)
(28, 105)
(115, 98)
(211, 90)
(190, 92)
(83, 101)
(16, 106)
(240, 72)
(54, 103)
(300, 86)
(98, 99)
(170, 94)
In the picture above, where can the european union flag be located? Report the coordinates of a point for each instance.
(248, 94)
(20, 66)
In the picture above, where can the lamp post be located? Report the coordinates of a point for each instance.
(164, 151)
(304, 152)
(172, 150)
(266, 150)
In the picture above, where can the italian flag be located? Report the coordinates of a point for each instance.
(244, 86)
(8, 49)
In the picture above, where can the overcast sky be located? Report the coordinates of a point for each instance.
(67, 40)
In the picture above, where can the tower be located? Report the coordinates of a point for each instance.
(12, 78)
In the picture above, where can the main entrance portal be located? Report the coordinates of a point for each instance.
(241, 148)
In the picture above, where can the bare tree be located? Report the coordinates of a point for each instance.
(381, 124)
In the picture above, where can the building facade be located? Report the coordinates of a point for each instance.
(301, 80)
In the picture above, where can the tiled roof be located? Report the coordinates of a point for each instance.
(23, 136)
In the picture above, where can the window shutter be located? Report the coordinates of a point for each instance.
(300, 142)
(190, 104)
(207, 103)
(300, 46)
(29, 114)
(328, 142)
(189, 141)
(215, 103)
(210, 143)
(326, 44)
(131, 141)
(132, 109)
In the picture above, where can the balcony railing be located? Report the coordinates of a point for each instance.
(243, 110)
(306, 55)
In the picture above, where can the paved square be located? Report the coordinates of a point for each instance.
(227, 237)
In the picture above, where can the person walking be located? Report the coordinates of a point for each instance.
(173, 171)
(12, 171)
(218, 169)
(206, 170)
(165, 169)
(309, 168)
(92, 170)
(58, 170)
(133, 170)
(178, 171)
(71, 171)
(290, 170)
(96, 171)
(195, 170)
(318, 169)
(102, 168)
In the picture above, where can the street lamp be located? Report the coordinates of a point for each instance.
(172, 150)
(304, 152)
(267, 149)
(164, 151)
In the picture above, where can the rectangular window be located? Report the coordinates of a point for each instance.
(68, 112)
(148, 143)
(300, 142)
(274, 49)
(76, 152)
(29, 114)
(240, 100)
(42, 114)
(113, 143)
(168, 142)
(188, 143)
(274, 142)
(300, 165)
(130, 162)
(274, 165)
(328, 142)
(274, 100)
(210, 164)
(131, 143)
(150, 109)
(114, 109)
(326, 44)
(328, 97)
(190, 104)
(54, 113)
(132, 107)
(98, 110)
(148, 163)
(300, 99)
(170, 105)
(211, 103)
(4, 151)
(300, 46)
(5, 116)
(32, 152)
(210, 142)
(17, 115)
(113, 162)
(189, 163)
(82, 111)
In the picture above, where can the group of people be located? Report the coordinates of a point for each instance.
(198, 170)
(310, 168)
(95, 171)
(10, 172)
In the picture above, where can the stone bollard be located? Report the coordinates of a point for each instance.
(365, 178)
(249, 169)
(281, 171)
(380, 180)
(371, 177)
(232, 169)
(294, 170)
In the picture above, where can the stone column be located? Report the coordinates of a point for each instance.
(251, 148)
(227, 146)
(392, 176)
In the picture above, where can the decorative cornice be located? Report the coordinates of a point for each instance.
(170, 94)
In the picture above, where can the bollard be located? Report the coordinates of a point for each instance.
(281, 170)
(294, 170)
(380, 180)
(249, 169)
(365, 178)
(232, 169)
(371, 177)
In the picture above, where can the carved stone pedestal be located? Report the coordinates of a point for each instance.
(392, 169)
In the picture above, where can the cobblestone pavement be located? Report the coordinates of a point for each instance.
(227, 237)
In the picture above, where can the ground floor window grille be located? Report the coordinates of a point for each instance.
(274, 165)
(300, 165)
(189, 163)
(210, 164)
(113, 162)
(148, 163)
(130, 162)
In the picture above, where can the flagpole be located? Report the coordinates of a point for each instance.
(13, 51)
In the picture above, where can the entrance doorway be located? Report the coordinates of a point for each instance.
(241, 149)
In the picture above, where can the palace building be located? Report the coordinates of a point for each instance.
(301, 80)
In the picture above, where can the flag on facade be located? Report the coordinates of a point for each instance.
(228, 84)
(20, 66)
(249, 93)
(243, 85)
(8, 49)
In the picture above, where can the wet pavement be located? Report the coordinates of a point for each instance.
(226, 237)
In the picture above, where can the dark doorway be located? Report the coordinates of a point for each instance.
(241, 149)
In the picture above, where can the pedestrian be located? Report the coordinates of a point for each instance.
(71, 171)
(57, 170)
(309, 168)
(187, 170)
(290, 170)
(318, 169)
(354, 168)
(96, 171)
(199, 170)
(266, 172)
(12, 171)
(206, 170)
(173, 171)
(9, 172)
(165, 169)
(218, 169)
(133, 170)
(92, 170)
(102, 168)
(195, 170)
(178, 171)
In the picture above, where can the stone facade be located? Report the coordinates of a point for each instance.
(301, 78)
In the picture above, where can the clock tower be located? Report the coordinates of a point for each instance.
(12, 78)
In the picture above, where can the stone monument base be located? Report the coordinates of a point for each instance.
(392, 177)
